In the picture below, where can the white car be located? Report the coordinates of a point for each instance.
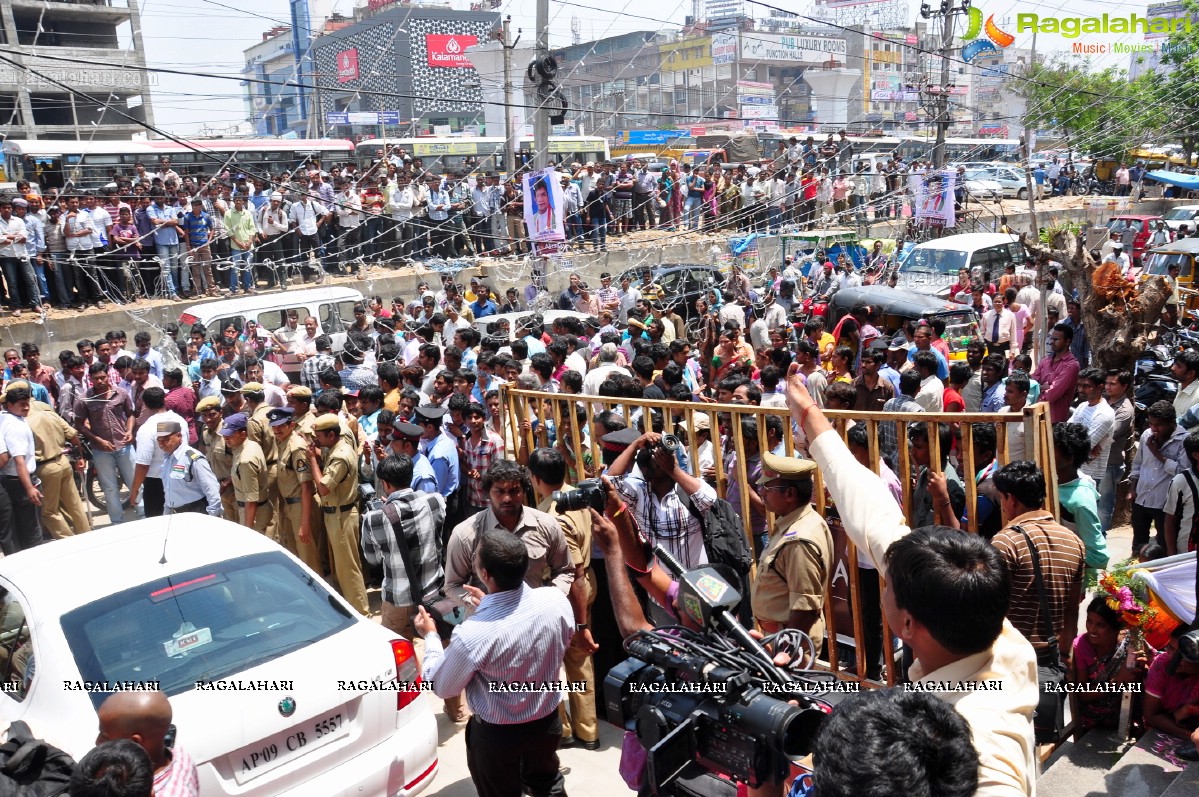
(1011, 180)
(485, 324)
(981, 188)
(1179, 215)
(277, 685)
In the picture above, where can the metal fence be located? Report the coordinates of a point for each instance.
(527, 411)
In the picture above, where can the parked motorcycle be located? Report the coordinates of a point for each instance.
(1152, 381)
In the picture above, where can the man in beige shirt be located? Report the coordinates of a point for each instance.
(951, 615)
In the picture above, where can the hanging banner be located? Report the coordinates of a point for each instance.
(934, 196)
(543, 206)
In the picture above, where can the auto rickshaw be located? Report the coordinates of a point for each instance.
(893, 307)
(1157, 262)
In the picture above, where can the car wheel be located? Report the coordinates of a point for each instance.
(1022, 193)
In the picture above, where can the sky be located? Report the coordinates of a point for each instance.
(209, 36)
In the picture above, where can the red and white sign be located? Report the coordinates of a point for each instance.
(449, 51)
(347, 65)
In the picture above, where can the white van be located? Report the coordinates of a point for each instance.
(332, 306)
(931, 267)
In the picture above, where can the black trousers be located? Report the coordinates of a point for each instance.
(19, 528)
(604, 629)
(506, 760)
(1142, 519)
(153, 496)
(872, 621)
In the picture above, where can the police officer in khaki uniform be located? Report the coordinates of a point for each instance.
(249, 475)
(296, 502)
(258, 429)
(337, 485)
(63, 513)
(795, 567)
(299, 398)
(219, 455)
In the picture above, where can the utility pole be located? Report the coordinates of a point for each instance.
(943, 119)
(541, 119)
(509, 139)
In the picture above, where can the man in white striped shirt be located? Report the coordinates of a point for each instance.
(507, 657)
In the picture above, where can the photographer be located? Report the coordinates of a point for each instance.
(946, 596)
(547, 471)
(659, 497)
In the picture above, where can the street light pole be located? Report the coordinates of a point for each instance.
(541, 119)
(509, 140)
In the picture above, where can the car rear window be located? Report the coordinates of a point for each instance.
(202, 625)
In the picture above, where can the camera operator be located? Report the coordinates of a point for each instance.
(946, 596)
(547, 471)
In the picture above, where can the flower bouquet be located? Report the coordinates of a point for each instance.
(1129, 595)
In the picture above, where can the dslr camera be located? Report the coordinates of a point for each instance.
(587, 493)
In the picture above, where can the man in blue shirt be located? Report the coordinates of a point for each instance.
(165, 219)
(406, 439)
(483, 305)
(197, 226)
(440, 230)
(443, 456)
(1039, 176)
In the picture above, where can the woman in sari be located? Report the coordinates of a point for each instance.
(1101, 657)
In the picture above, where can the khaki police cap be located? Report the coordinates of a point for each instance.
(208, 403)
(252, 387)
(300, 391)
(327, 423)
(785, 468)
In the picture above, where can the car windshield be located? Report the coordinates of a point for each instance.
(960, 329)
(1179, 214)
(935, 261)
(1160, 262)
(202, 625)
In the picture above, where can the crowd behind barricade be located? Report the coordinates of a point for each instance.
(400, 462)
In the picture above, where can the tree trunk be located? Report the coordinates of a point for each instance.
(1117, 331)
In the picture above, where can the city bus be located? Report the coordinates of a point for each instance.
(91, 164)
(469, 153)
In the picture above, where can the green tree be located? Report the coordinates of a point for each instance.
(1096, 111)
(1177, 85)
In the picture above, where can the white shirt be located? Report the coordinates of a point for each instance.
(18, 442)
(145, 442)
(1006, 326)
(1186, 397)
(305, 215)
(103, 221)
(931, 395)
(1100, 421)
(1015, 437)
(575, 362)
(14, 228)
(349, 210)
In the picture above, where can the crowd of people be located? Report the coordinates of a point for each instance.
(395, 462)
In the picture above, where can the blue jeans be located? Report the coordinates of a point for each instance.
(691, 211)
(574, 228)
(243, 260)
(599, 234)
(64, 279)
(1107, 495)
(775, 216)
(40, 270)
(169, 255)
(22, 283)
(108, 464)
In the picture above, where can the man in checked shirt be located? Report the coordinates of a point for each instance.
(408, 522)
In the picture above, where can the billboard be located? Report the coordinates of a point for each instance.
(543, 206)
(347, 65)
(449, 51)
(785, 47)
(724, 48)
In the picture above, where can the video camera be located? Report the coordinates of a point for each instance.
(715, 699)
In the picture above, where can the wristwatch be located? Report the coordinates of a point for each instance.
(580, 626)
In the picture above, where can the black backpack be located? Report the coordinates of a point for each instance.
(724, 543)
(30, 767)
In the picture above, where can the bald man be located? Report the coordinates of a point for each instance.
(145, 718)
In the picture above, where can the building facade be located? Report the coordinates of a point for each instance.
(100, 44)
(408, 63)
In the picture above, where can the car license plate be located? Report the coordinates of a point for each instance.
(268, 754)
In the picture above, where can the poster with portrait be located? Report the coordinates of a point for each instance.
(934, 196)
(543, 207)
